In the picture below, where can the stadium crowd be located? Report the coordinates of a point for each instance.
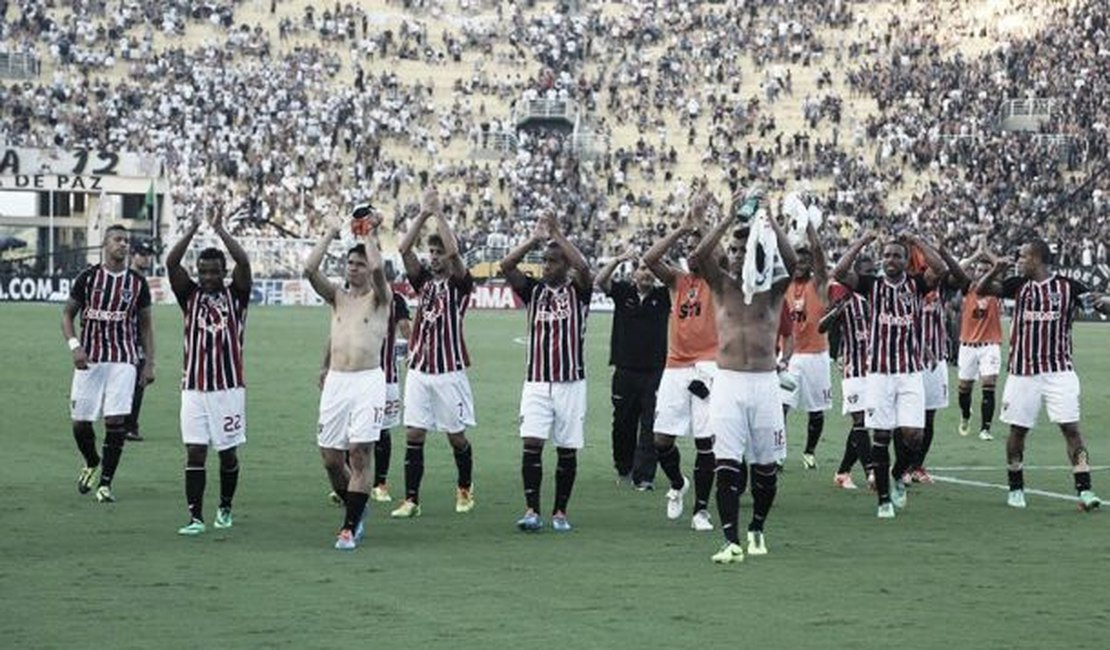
(260, 102)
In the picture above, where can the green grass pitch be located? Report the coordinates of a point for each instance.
(957, 569)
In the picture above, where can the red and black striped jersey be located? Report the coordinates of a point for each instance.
(853, 324)
(934, 332)
(438, 345)
(556, 331)
(214, 327)
(895, 346)
(399, 313)
(109, 305)
(1040, 335)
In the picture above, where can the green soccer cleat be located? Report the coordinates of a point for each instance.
(756, 543)
(223, 518)
(965, 427)
(464, 499)
(193, 528)
(1088, 501)
(886, 511)
(334, 499)
(380, 493)
(104, 494)
(85, 479)
(407, 510)
(729, 554)
(1016, 499)
(898, 494)
(809, 461)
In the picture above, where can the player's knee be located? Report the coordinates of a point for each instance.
(703, 444)
(197, 455)
(415, 436)
(229, 460)
(663, 442)
(458, 440)
(567, 453)
(880, 438)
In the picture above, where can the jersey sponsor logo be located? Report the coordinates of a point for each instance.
(895, 321)
(556, 309)
(105, 315)
(1041, 316)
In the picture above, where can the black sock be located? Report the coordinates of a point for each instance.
(851, 451)
(1017, 478)
(342, 494)
(904, 457)
(965, 405)
(764, 487)
(813, 430)
(531, 470)
(1082, 481)
(229, 477)
(669, 459)
(880, 463)
(704, 464)
(863, 446)
(195, 476)
(988, 407)
(382, 451)
(356, 504)
(464, 462)
(927, 438)
(114, 437)
(566, 469)
(414, 470)
(85, 437)
(731, 479)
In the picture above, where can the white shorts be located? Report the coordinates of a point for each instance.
(106, 387)
(555, 410)
(976, 361)
(440, 402)
(814, 390)
(215, 419)
(936, 386)
(352, 408)
(746, 415)
(1022, 395)
(392, 415)
(895, 401)
(854, 391)
(677, 410)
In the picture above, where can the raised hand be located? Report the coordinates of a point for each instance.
(430, 203)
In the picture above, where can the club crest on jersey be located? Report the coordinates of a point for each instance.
(1054, 299)
(126, 293)
(906, 300)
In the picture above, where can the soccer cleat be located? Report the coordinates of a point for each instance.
(965, 427)
(886, 511)
(898, 494)
(701, 521)
(407, 510)
(756, 545)
(809, 461)
(192, 529)
(985, 434)
(1016, 499)
(644, 486)
(345, 541)
(530, 522)
(560, 524)
(464, 500)
(921, 475)
(133, 436)
(223, 518)
(844, 481)
(675, 498)
(380, 493)
(85, 479)
(1088, 501)
(104, 494)
(729, 554)
(333, 497)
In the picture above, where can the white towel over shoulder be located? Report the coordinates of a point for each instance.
(763, 265)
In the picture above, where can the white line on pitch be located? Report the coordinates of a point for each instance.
(999, 486)
(979, 468)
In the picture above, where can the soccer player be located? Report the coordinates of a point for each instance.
(745, 412)
(352, 403)
(849, 312)
(637, 352)
(213, 388)
(682, 408)
(108, 297)
(141, 256)
(553, 399)
(1040, 365)
(437, 390)
(805, 301)
(895, 387)
(980, 356)
(399, 321)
